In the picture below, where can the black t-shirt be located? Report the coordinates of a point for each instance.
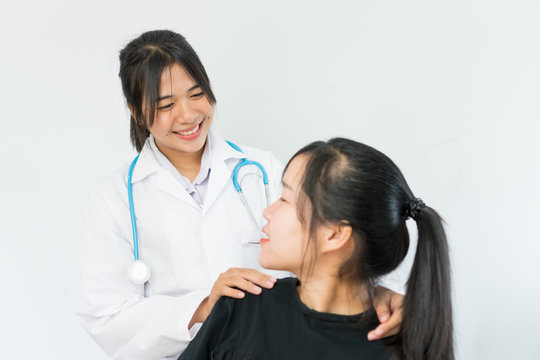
(276, 325)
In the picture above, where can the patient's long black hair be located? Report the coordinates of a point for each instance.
(346, 181)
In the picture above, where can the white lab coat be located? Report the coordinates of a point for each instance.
(185, 245)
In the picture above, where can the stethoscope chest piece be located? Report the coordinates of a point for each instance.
(139, 272)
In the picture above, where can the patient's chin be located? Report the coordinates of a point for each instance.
(268, 264)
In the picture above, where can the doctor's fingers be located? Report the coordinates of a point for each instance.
(234, 279)
(389, 327)
(233, 275)
(231, 286)
(389, 308)
(234, 289)
(255, 277)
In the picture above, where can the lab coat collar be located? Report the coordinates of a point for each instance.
(148, 164)
(222, 150)
(225, 157)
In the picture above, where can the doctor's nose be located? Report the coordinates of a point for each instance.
(185, 114)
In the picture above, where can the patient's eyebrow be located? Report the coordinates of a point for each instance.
(286, 186)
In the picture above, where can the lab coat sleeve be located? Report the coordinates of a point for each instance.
(114, 311)
(390, 281)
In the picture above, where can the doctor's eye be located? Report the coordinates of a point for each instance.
(166, 107)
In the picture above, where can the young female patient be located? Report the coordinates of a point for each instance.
(339, 225)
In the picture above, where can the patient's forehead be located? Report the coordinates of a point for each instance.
(294, 173)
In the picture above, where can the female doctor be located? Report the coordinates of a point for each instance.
(197, 241)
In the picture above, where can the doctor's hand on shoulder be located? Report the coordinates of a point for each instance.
(232, 283)
(389, 307)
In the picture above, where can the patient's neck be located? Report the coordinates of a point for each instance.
(331, 294)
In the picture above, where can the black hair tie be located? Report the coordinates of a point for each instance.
(413, 208)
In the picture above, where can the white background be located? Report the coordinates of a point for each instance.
(449, 90)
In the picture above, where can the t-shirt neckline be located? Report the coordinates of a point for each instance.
(323, 315)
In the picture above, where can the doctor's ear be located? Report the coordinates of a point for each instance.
(336, 237)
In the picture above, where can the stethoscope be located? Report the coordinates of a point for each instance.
(139, 271)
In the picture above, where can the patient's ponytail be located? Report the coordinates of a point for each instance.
(427, 331)
(346, 181)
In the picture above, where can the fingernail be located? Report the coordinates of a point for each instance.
(370, 336)
(269, 284)
(241, 295)
(257, 289)
(379, 332)
(384, 316)
(273, 279)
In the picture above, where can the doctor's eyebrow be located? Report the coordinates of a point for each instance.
(196, 86)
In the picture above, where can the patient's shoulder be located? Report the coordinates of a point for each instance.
(282, 295)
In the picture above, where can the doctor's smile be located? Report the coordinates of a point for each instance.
(190, 134)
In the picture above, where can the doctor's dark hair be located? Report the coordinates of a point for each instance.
(346, 182)
(142, 62)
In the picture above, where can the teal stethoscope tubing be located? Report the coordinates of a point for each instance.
(132, 210)
(237, 187)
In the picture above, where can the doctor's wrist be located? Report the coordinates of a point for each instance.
(200, 315)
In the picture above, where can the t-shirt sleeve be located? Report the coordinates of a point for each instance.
(212, 333)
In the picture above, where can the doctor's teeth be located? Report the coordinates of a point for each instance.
(184, 133)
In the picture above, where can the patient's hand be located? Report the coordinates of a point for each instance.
(389, 308)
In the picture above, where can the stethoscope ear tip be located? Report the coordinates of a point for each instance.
(139, 272)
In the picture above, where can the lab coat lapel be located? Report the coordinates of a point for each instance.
(146, 165)
(165, 181)
(223, 162)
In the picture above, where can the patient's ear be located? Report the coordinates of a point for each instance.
(336, 237)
